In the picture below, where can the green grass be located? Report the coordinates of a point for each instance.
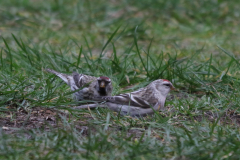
(195, 45)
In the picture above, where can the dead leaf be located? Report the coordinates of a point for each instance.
(127, 79)
(5, 128)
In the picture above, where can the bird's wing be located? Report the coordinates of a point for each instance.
(125, 99)
(81, 79)
(77, 79)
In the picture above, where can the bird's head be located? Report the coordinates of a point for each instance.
(103, 81)
(104, 84)
(163, 86)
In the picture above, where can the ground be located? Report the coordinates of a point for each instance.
(195, 45)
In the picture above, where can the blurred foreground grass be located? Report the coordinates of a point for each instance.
(193, 44)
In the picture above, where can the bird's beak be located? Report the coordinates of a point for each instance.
(102, 85)
(172, 88)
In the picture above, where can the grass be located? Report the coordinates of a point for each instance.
(195, 45)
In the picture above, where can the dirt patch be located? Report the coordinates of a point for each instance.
(39, 117)
(230, 117)
(47, 119)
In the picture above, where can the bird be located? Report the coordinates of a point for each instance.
(138, 103)
(87, 86)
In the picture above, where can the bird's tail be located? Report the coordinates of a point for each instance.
(64, 77)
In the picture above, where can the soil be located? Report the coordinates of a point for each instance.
(38, 117)
(45, 118)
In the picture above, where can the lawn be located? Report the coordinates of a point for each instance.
(193, 44)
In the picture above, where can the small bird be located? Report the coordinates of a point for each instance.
(137, 103)
(88, 86)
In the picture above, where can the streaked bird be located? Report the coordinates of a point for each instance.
(91, 86)
(137, 103)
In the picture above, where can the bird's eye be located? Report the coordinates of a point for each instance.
(167, 85)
